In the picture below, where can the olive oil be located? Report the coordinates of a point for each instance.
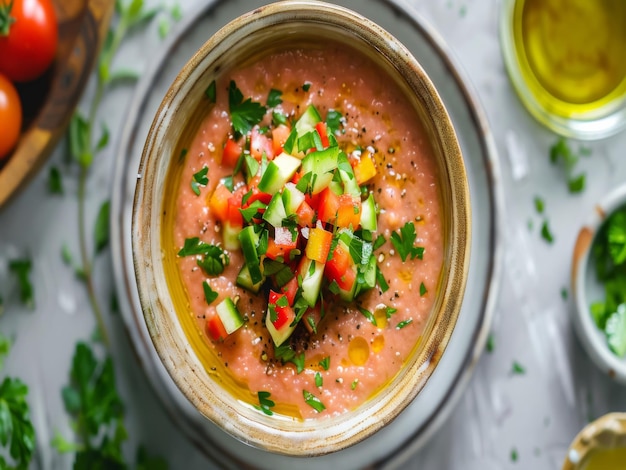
(572, 54)
(606, 459)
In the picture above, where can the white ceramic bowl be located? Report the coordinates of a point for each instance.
(587, 289)
(235, 43)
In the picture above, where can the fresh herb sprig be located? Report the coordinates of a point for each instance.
(404, 242)
(17, 434)
(609, 256)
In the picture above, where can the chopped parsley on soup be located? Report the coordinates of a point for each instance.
(307, 231)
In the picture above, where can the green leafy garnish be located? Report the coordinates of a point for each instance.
(319, 380)
(199, 179)
(243, 114)
(16, 429)
(55, 181)
(265, 404)
(355, 382)
(491, 344)
(404, 242)
(313, 401)
(423, 290)
(211, 92)
(21, 269)
(539, 205)
(369, 315)
(517, 368)
(101, 229)
(209, 294)
(325, 363)
(404, 323)
(306, 86)
(546, 233)
(213, 258)
(274, 98)
(562, 153)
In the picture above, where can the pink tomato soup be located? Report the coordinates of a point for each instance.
(349, 358)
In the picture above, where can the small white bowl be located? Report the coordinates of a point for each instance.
(587, 289)
(606, 435)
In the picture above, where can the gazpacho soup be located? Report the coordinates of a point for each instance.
(303, 235)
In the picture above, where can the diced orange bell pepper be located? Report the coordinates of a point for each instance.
(318, 246)
(305, 215)
(218, 204)
(364, 169)
(349, 212)
(279, 137)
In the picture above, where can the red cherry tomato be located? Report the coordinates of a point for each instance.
(28, 38)
(10, 116)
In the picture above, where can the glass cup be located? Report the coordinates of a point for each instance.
(567, 62)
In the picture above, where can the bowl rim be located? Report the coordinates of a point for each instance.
(592, 338)
(312, 442)
(602, 433)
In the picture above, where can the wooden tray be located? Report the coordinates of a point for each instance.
(49, 101)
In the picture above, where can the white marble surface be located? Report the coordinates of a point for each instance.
(535, 414)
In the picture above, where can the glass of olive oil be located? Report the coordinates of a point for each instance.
(567, 62)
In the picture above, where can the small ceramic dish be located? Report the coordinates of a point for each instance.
(49, 101)
(587, 289)
(601, 445)
(268, 27)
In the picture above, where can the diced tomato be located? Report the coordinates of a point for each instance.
(313, 200)
(215, 328)
(279, 137)
(290, 290)
(297, 176)
(338, 264)
(318, 246)
(233, 214)
(231, 153)
(218, 204)
(347, 279)
(349, 211)
(328, 206)
(282, 244)
(284, 314)
(257, 195)
(320, 127)
(305, 215)
(260, 144)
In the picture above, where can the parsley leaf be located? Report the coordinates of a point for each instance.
(404, 242)
(369, 315)
(313, 401)
(55, 181)
(517, 368)
(199, 179)
(546, 234)
(211, 92)
(101, 229)
(209, 294)
(319, 380)
(539, 205)
(423, 290)
(274, 98)
(325, 363)
(244, 114)
(404, 324)
(16, 428)
(265, 404)
(21, 268)
(213, 258)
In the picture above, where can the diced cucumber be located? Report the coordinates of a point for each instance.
(230, 236)
(336, 187)
(275, 212)
(307, 121)
(278, 172)
(249, 240)
(279, 336)
(230, 316)
(245, 280)
(321, 164)
(350, 184)
(312, 273)
(292, 198)
(368, 214)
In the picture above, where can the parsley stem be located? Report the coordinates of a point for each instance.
(102, 80)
